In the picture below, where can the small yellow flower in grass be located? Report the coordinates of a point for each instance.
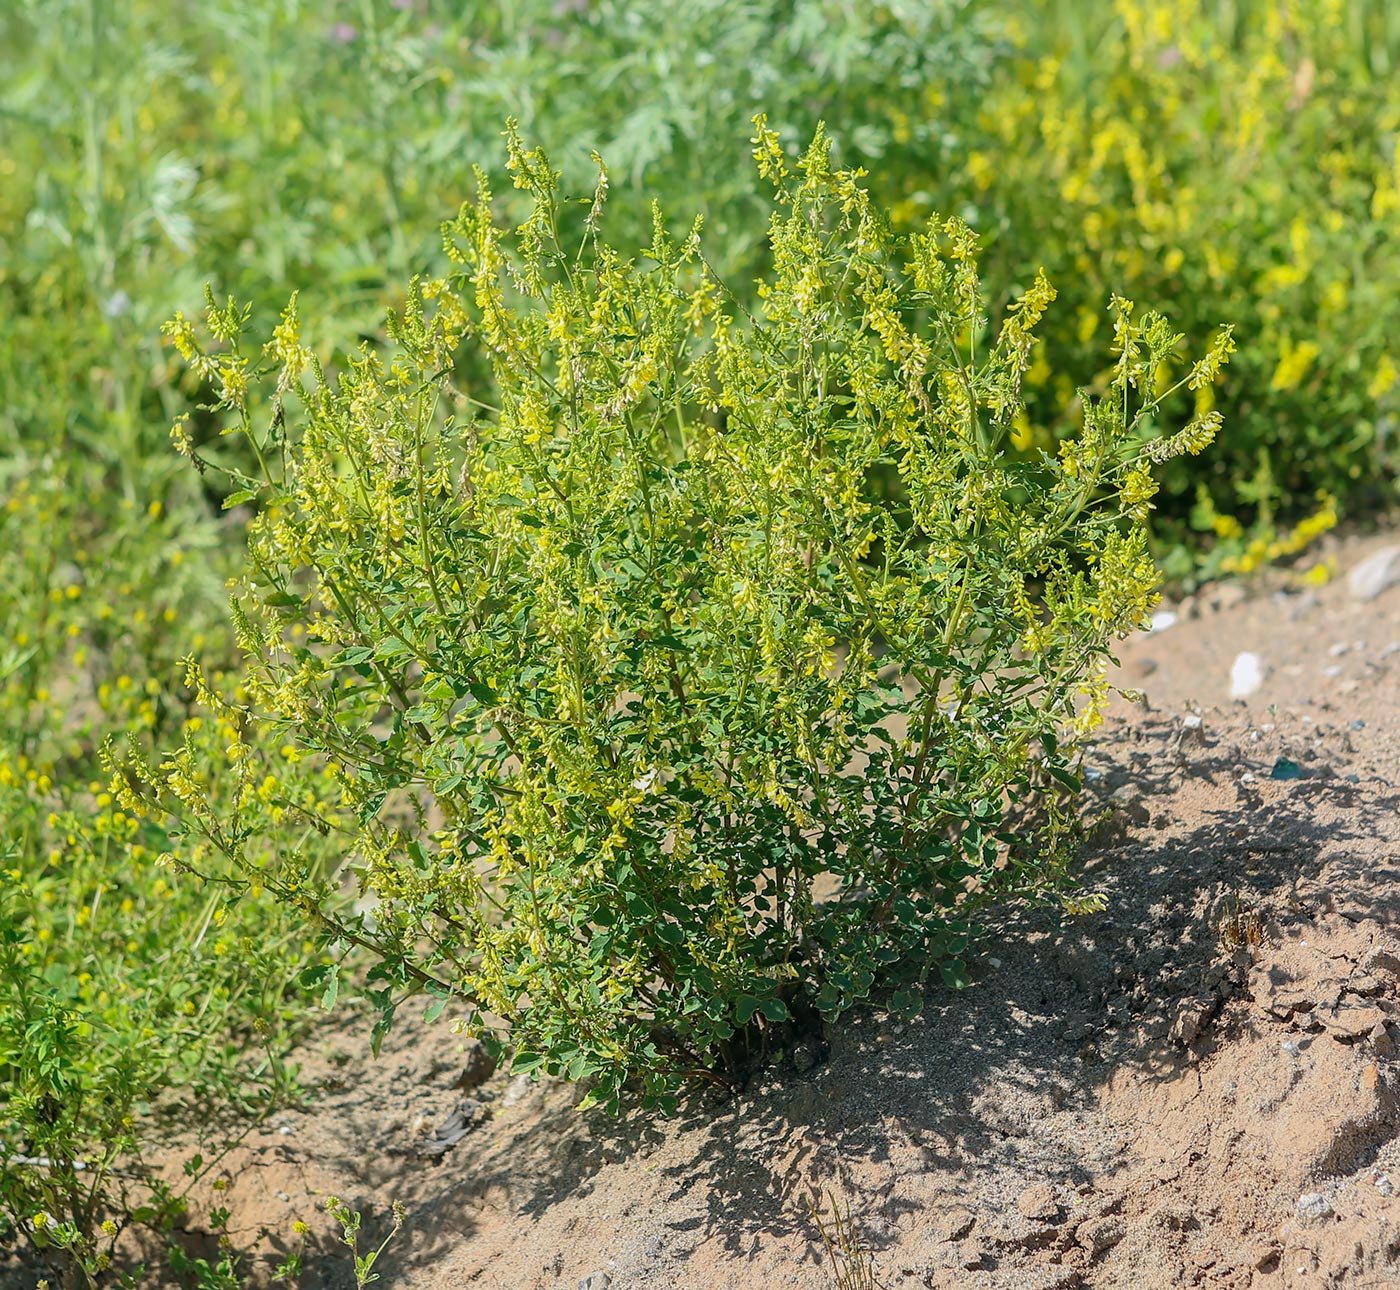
(299, 1227)
(109, 1227)
(1320, 574)
(1385, 377)
(1227, 526)
(41, 1221)
(1022, 433)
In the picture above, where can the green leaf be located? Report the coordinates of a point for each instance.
(775, 1010)
(327, 977)
(369, 808)
(955, 975)
(908, 1002)
(382, 1025)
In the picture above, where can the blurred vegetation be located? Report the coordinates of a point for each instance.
(1242, 162)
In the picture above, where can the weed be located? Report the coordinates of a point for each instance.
(851, 1262)
(631, 628)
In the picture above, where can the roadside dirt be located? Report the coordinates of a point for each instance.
(1198, 1087)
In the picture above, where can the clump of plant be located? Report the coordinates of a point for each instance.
(657, 724)
(850, 1261)
(132, 993)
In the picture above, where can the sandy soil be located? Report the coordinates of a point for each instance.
(1197, 1087)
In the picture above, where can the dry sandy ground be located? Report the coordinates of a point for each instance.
(1197, 1087)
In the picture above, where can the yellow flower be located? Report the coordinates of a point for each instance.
(1383, 379)
(1293, 364)
(1022, 432)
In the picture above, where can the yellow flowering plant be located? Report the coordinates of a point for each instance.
(1242, 162)
(132, 993)
(664, 733)
(133, 997)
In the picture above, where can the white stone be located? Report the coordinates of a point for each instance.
(1161, 620)
(518, 1089)
(1375, 573)
(1314, 1205)
(1246, 676)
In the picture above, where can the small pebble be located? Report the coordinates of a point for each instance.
(1375, 573)
(1313, 1205)
(1246, 676)
(518, 1088)
(1161, 620)
(1290, 1046)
